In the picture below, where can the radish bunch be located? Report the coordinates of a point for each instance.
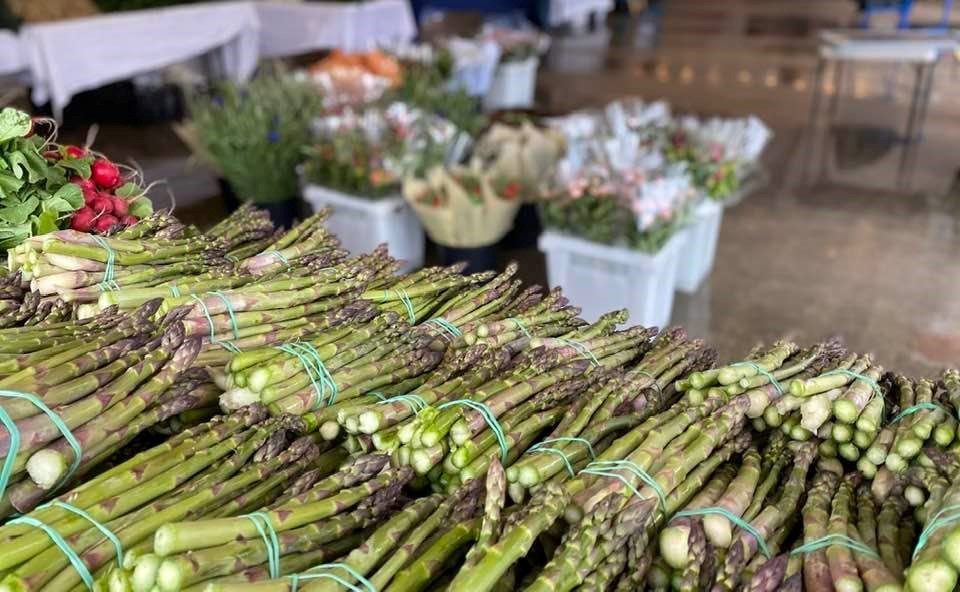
(107, 201)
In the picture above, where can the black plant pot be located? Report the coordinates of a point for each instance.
(526, 229)
(282, 213)
(477, 258)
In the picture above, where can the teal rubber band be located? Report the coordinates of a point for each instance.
(14, 446)
(834, 540)
(414, 402)
(382, 397)
(557, 452)
(325, 377)
(229, 306)
(523, 328)
(261, 520)
(109, 271)
(408, 304)
(175, 291)
(857, 376)
(230, 347)
(279, 256)
(231, 258)
(945, 517)
(735, 520)
(601, 467)
(584, 350)
(206, 313)
(110, 286)
(918, 407)
(117, 545)
(488, 417)
(57, 421)
(69, 553)
(446, 326)
(586, 444)
(655, 385)
(312, 373)
(309, 575)
(762, 372)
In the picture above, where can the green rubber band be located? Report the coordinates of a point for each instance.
(325, 377)
(231, 258)
(762, 372)
(11, 426)
(229, 306)
(69, 553)
(261, 520)
(918, 407)
(447, 326)
(558, 452)
(488, 417)
(175, 291)
(735, 520)
(655, 385)
(408, 304)
(117, 545)
(415, 403)
(206, 313)
(110, 286)
(382, 397)
(230, 347)
(603, 468)
(945, 517)
(109, 271)
(317, 380)
(279, 256)
(857, 376)
(584, 350)
(521, 326)
(835, 540)
(586, 443)
(367, 584)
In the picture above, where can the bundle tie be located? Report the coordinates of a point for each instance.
(446, 326)
(945, 517)
(762, 372)
(229, 306)
(407, 303)
(523, 328)
(857, 376)
(108, 283)
(7, 470)
(175, 291)
(110, 286)
(655, 385)
(261, 520)
(206, 313)
(488, 417)
(69, 553)
(380, 396)
(317, 373)
(117, 545)
(735, 520)
(835, 540)
(541, 447)
(279, 257)
(604, 468)
(918, 407)
(312, 575)
(415, 403)
(325, 376)
(229, 346)
(582, 349)
(231, 258)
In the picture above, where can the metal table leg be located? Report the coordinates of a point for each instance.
(811, 143)
(910, 136)
(915, 135)
(839, 66)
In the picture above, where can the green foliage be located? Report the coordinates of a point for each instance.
(256, 133)
(604, 219)
(425, 87)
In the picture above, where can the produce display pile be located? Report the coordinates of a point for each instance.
(247, 410)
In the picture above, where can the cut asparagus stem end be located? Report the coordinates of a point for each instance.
(46, 467)
(674, 545)
(145, 573)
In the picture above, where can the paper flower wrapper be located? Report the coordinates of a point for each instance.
(457, 216)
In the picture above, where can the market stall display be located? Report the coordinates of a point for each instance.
(402, 432)
(515, 79)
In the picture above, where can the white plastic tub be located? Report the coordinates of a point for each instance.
(700, 248)
(600, 278)
(361, 224)
(514, 85)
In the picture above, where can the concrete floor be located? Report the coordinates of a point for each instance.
(843, 255)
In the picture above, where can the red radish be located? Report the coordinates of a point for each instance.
(74, 151)
(82, 220)
(105, 174)
(129, 220)
(85, 184)
(120, 206)
(102, 204)
(105, 223)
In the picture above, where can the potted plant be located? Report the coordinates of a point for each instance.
(253, 135)
(515, 79)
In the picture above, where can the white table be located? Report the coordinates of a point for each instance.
(11, 56)
(918, 49)
(295, 28)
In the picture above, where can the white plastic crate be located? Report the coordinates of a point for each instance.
(600, 278)
(700, 246)
(514, 85)
(361, 224)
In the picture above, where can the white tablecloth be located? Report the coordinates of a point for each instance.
(67, 57)
(576, 11)
(295, 28)
(11, 57)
